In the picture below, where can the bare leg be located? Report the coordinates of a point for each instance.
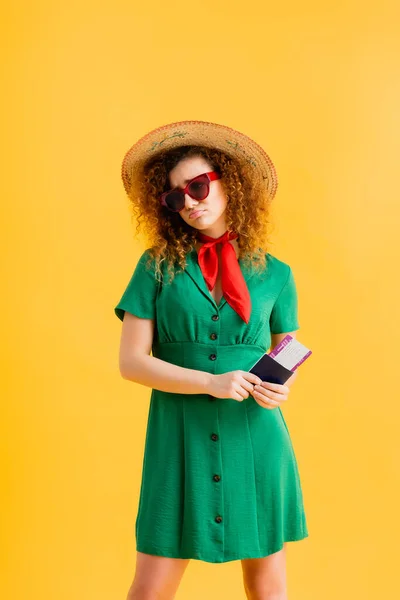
(156, 577)
(265, 578)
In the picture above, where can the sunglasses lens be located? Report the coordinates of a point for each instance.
(175, 201)
(199, 189)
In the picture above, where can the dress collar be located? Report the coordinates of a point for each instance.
(193, 270)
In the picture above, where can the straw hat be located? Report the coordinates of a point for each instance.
(211, 135)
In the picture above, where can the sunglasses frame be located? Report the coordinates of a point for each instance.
(211, 176)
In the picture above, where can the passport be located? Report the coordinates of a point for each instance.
(282, 361)
(268, 369)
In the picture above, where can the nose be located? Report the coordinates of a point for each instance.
(190, 203)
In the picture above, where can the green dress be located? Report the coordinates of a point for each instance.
(220, 481)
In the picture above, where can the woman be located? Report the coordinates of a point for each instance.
(220, 480)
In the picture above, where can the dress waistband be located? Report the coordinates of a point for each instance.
(211, 357)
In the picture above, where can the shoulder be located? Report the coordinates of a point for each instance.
(279, 269)
(144, 267)
(149, 252)
(147, 258)
(276, 262)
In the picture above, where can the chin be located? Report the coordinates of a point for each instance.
(204, 225)
(200, 223)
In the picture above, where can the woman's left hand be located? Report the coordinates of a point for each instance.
(270, 395)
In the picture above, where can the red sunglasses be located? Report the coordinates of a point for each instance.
(197, 188)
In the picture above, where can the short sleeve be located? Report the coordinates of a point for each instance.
(284, 312)
(139, 297)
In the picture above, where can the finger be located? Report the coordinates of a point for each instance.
(248, 388)
(263, 404)
(246, 385)
(283, 389)
(269, 394)
(245, 388)
(241, 391)
(251, 377)
(246, 391)
(266, 398)
(238, 393)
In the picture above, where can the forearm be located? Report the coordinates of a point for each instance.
(164, 376)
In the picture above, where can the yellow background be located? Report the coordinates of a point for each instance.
(316, 84)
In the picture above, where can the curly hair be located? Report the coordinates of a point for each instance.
(171, 238)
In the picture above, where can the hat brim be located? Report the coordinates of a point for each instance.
(204, 133)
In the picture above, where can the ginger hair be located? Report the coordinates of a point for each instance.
(171, 238)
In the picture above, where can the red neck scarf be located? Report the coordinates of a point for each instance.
(234, 286)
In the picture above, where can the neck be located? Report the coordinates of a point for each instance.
(218, 247)
(217, 229)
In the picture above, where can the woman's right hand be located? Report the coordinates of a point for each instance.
(234, 384)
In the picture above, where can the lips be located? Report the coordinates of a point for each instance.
(196, 214)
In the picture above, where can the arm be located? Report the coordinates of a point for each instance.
(276, 338)
(136, 364)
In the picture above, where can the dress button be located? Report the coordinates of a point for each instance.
(213, 336)
(216, 477)
(213, 356)
(215, 317)
(214, 437)
(218, 519)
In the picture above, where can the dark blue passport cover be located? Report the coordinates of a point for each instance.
(267, 369)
